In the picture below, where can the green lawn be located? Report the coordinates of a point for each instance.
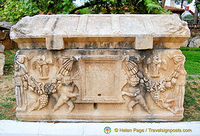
(192, 88)
(192, 64)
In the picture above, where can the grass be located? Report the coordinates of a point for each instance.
(192, 93)
(7, 98)
(190, 77)
(192, 99)
(192, 64)
(9, 62)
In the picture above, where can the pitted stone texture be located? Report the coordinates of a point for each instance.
(48, 30)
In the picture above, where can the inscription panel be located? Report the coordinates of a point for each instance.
(101, 80)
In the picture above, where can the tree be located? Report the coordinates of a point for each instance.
(163, 3)
(54, 6)
(197, 8)
(195, 15)
(122, 6)
(14, 10)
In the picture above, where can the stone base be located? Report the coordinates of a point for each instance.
(99, 116)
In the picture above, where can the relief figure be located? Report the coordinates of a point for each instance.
(41, 64)
(67, 93)
(154, 65)
(20, 78)
(135, 87)
(66, 85)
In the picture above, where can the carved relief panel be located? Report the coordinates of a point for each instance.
(166, 87)
(35, 84)
(137, 85)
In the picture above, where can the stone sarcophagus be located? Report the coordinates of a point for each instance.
(100, 67)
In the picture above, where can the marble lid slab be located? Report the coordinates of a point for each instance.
(144, 29)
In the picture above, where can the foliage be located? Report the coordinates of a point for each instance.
(189, 1)
(54, 6)
(153, 6)
(85, 11)
(189, 17)
(198, 4)
(14, 10)
(122, 6)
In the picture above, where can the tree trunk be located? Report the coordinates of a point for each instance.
(182, 3)
(163, 3)
(195, 15)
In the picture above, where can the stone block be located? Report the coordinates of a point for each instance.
(6, 25)
(144, 42)
(2, 62)
(2, 59)
(2, 48)
(93, 67)
(194, 42)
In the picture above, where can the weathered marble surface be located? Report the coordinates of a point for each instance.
(6, 25)
(100, 67)
(2, 59)
(57, 32)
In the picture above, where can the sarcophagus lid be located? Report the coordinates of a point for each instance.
(143, 31)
